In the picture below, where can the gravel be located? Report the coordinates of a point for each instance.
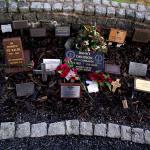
(69, 143)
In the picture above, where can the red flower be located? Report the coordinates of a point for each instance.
(109, 80)
(63, 69)
(97, 77)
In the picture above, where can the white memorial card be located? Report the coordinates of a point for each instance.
(51, 64)
(6, 28)
(92, 87)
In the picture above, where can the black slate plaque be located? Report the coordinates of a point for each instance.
(86, 61)
(62, 31)
(38, 32)
(20, 24)
(25, 89)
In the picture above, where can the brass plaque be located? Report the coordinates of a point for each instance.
(20, 24)
(13, 51)
(141, 35)
(117, 35)
(142, 85)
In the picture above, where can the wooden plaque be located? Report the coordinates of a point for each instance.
(70, 90)
(13, 51)
(141, 35)
(117, 35)
(38, 32)
(142, 85)
(20, 24)
(15, 69)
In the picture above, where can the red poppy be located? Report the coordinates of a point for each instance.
(109, 80)
(97, 77)
(64, 70)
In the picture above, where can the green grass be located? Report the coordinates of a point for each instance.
(131, 1)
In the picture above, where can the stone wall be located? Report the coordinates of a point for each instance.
(105, 13)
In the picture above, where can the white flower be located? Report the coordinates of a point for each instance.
(86, 43)
(104, 47)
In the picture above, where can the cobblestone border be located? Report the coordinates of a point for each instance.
(106, 13)
(9, 130)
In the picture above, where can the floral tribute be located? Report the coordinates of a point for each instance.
(102, 79)
(67, 70)
(89, 39)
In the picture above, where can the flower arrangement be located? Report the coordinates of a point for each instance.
(90, 40)
(102, 79)
(67, 71)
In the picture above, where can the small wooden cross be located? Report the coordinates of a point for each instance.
(44, 72)
(116, 84)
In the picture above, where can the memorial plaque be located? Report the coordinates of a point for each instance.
(13, 51)
(141, 35)
(51, 64)
(25, 89)
(70, 90)
(38, 32)
(92, 86)
(117, 35)
(86, 61)
(142, 85)
(62, 31)
(20, 24)
(13, 69)
(6, 28)
(137, 69)
(112, 68)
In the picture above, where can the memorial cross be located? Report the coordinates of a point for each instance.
(116, 84)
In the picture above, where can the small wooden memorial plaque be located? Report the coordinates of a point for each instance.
(137, 69)
(62, 31)
(117, 36)
(141, 35)
(38, 32)
(86, 61)
(13, 51)
(15, 69)
(142, 85)
(20, 24)
(112, 68)
(25, 89)
(70, 90)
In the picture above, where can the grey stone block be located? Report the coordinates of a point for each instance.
(3, 6)
(148, 9)
(23, 130)
(23, 6)
(113, 131)
(68, 7)
(47, 7)
(115, 4)
(12, 6)
(106, 2)
(100, 10)
(147, 18)
(7, 130)
(5, 17)
(57, 128)
(39, 129)
(130, 14)
(124, 5)
(142, 7)
(97, 1)
(72, 127)
(147, 136)
(111, 11)
(86, 128)
(77, 1)
(100, 129)
(133, 6)
(111, 22)
(37, 6)
(120, 13)
(57, 6)
(140, 16)
(78, 8)
(89, 9)
(138, 135)
(126, 133)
